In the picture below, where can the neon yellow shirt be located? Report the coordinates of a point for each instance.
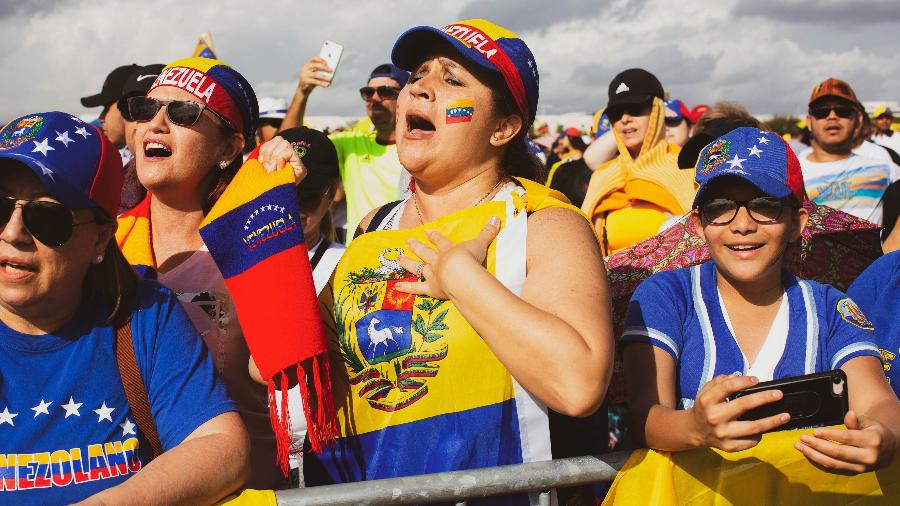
(370, 172)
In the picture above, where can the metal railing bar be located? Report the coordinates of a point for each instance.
(459, 486)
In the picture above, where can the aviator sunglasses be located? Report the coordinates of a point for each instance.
(763, 210)
(385, 92)
(180, 112)
(822, 112)
(51, 223)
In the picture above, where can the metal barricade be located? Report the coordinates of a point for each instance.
(459, 486)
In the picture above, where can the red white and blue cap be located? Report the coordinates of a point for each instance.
(492, 47)
(678, 109)
(73, 159)
(762, 158)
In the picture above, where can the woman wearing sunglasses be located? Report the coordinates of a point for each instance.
(631, 196)
(68, 427)
(192, 126)
(457, 318)
(709, 331)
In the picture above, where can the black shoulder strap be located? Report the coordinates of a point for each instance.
(317, 256)
(381, 214)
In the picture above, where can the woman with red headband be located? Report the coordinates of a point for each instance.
(457, 319)
(193, 125)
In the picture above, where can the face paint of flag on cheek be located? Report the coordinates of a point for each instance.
(460, 111)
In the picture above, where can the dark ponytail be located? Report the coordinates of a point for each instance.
(517, 161)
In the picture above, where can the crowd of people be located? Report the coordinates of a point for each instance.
(457, 251)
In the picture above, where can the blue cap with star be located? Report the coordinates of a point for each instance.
(759, 157)
(73, 159)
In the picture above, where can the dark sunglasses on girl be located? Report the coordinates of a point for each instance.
(616, 112)
(822, 111)
(181, 112)
(388, 92)
(763, 210)
(673, 122)
(51, 223)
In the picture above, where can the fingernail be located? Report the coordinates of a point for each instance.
(494, 221)
(805, 438)
(785, 417)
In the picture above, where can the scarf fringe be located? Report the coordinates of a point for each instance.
(318, 405)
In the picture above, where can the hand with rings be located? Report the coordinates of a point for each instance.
(441, 263)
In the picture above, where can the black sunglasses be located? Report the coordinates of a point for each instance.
(842, 111)
(673, 122)
(49, 222)
(388, 92)
(763, 210)
(616, 112)
(181, 112)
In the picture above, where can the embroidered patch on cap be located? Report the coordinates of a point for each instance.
(23, 131)
(715, 156)
(852, 314)
(460, 111)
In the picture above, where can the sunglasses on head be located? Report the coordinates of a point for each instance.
(616, 112)
(823, 111)
(388, 92)
(763, 210)
(181, 112)
(51, 223)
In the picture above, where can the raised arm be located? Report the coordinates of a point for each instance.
(309, 79)
(212, 462)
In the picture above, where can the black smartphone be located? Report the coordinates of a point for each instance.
(812, 400)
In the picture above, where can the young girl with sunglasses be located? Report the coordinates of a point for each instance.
(694, 336)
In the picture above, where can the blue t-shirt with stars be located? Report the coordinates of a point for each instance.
(66, 431)
(679, 312)
(877, 291)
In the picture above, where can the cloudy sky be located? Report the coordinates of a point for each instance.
(766, 54)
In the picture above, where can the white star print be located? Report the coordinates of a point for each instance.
(42, 146)
(72, 407)
(754, 151)
(763, 140)
(104, 413)
(45, 170)
(736, 162)
(41, 409)
(64, 138)
(128, 428)
(6, 417)
(82, 132)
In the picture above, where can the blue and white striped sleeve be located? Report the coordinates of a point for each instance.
(654, 315)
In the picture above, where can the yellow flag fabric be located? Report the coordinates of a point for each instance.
(773, 472)
(251, 497)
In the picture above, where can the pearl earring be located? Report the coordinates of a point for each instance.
(98, 259)
(223, 164)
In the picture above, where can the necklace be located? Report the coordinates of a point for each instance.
(477, 202)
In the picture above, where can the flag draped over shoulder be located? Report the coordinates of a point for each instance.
(253, 233)
(204, 47)
(773, 472)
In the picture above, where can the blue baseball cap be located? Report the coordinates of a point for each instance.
(392, 71)
(678, 108)
(492, 47)
(759, 157)
(73, 159)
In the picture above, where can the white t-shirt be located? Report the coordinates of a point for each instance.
(854, 185)
(892, 142)
(763, 366)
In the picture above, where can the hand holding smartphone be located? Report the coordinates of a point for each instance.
(331, 52)
(813, 400)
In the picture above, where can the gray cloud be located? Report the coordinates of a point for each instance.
(12, 8)
(522, 15)
(822, 11)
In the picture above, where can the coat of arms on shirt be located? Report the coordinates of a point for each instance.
(852, 314)
(389, 340)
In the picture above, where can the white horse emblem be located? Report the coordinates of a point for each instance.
(381, 336)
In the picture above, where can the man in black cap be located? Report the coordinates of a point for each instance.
(110, 117)
(137, 85)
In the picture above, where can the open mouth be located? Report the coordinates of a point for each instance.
(15, 268)
(417, 123)
(629, 131)
(743, 247)
(155, 149)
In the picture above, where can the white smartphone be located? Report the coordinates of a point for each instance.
(331, 53)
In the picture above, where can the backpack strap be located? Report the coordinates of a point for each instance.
(135, 392)
(381, 215)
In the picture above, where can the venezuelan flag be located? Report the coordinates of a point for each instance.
(133, 238)
(205, 48)
(254, 234)
(460, 111)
